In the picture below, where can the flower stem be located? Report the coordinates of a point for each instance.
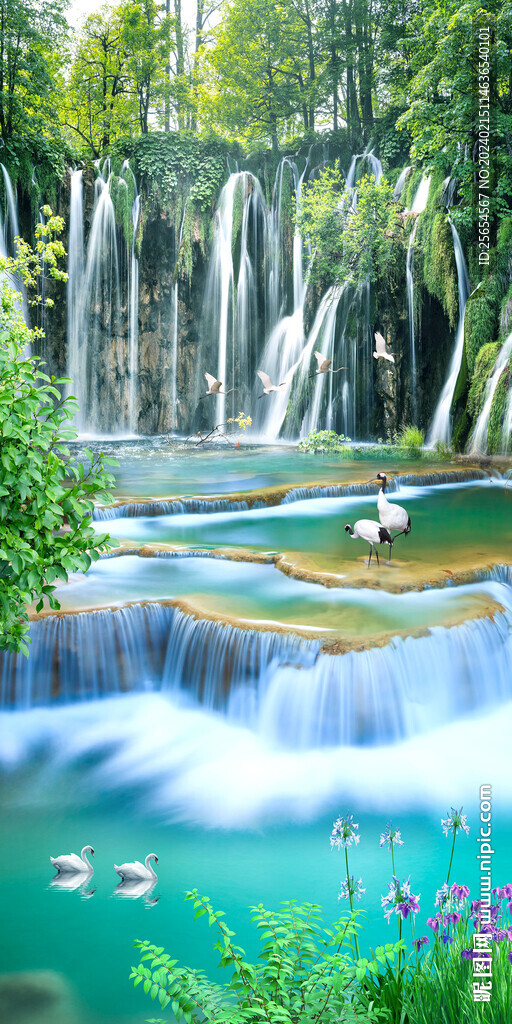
(451, 857)
(356, 944)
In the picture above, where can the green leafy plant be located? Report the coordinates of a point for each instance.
(411, 440)
(305, 971)
(46, 502)
(325, 441)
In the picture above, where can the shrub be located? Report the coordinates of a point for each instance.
(46, 503)
(411, 440)
(305, 972)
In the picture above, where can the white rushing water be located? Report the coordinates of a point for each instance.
(440, 428)
(249, 726)
(77, 341)
(478, 441)
(418, 206)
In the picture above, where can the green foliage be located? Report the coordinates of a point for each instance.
(443, 451)
(325, 441)
(434, 237)
(118, 76)
(481, 325)
(442, 990)
(411, 440)
(485, 361)
(182, 175)
(253, 80)
(46, 503)
(32, 50)
(350, 245)
(497, 412)
(305, 973)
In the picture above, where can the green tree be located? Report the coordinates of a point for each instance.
(255, 82)
(46, 501)
(350, 244)
(145, 36)
(32, 51)
(98, 106)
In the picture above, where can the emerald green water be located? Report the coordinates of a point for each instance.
(228, 807)
(163, 467)
(473, 521)
(262, 593)
(90, 940)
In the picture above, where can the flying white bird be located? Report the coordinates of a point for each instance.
(268, 387)
(392, 516)
(71, 863)
(214, 387)
(135, 871)
(324, 365)
(372, 532)
(380, 348)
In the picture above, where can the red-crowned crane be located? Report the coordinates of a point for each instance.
(392, 516)
(372, 532)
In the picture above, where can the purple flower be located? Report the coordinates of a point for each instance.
(509, 908)
(455, 821)
(454, 917)
(400, 900)
(391, 836)
(349, 887)
(460, 892)
(500, 934)
(475, 907)
(446, 938)
(467, 954)
(510, 956)
(418, 943)
(344, 832)
(433, 922)
(503, 893)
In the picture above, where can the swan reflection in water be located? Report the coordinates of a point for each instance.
(134, 888)
(79, 881)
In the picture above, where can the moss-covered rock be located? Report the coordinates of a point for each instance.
(497, 413)
(483, 369)
(481, 325)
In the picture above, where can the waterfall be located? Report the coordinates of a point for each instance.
(399, 187)
(275, 684)
(419, 204)
(10, 233)
(229, 312)
(478, 441)
(285, 347)
(76, 340)
(133, 307)
(507, 424)
(440, 428)
(101, 404)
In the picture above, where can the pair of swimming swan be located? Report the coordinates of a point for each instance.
(134, 871)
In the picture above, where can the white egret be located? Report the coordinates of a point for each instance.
(380, 349)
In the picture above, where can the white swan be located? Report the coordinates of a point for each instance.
(135, 871)
(71, 863)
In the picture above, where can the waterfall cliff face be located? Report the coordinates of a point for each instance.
(138, 324)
